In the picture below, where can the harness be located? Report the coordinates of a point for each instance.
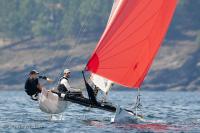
(62, 79)
(61, 87)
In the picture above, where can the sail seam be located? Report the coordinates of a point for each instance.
(120, 42)
(150, 62)
(128, 48)
(106, 46)
(147, 38)
(127, 59)
(112, 23)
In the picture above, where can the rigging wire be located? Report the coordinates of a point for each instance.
(77, 42)
(138, 106)
(59, 46)
(68, 60)
(77, 38)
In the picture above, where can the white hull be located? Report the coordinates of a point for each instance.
(51, 103)
(123, 116)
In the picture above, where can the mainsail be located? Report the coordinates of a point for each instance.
(134, 33)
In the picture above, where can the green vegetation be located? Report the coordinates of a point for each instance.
(51, 18)
(61, 18)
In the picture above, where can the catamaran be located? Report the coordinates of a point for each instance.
(124, 54)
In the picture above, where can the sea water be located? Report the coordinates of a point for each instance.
(163, 112)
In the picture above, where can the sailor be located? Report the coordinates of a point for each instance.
(64, 86)
(32, 85)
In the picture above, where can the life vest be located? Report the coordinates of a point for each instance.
(61, 87)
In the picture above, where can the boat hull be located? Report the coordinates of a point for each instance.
(125, 116)
(51, 103)
(88, 103)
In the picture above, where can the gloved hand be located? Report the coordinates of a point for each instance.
(49, 80)
(45, 78)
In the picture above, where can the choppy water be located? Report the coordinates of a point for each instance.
(163, 111)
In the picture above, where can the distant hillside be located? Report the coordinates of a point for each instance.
(50, 36)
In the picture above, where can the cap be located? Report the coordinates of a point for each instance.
(66, 71)
(33, 72)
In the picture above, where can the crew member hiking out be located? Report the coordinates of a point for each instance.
(64, 86)
(32, 85)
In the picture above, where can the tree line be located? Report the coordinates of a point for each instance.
(60, 18)
(52, 18)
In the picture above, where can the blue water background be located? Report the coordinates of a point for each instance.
(163, 111)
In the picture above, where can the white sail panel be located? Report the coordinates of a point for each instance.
(113, 14)
(115, 7)
(102, 83)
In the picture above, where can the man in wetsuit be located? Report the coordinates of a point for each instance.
(32, 85)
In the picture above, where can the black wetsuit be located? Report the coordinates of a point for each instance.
(31, 86)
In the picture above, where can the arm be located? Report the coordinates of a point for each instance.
(42, 77)
(54, 90)
(45, 78)
(39, 87)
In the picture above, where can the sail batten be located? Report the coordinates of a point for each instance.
(131, 40)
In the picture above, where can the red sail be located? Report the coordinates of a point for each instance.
(131, 40)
